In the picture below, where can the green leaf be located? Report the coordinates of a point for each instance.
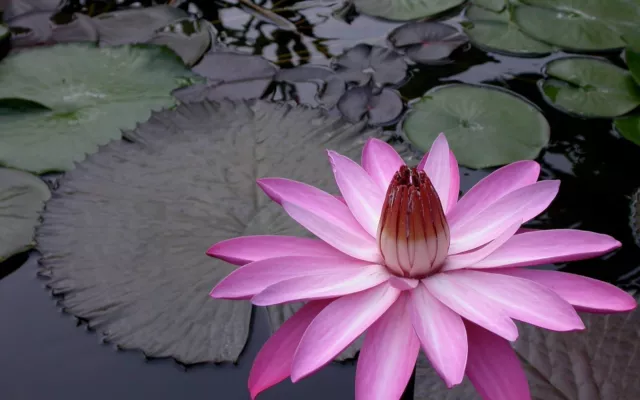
(22, 198)
(405, 10)
(92, 94)
(633, 62)
(629, 128)
(125, 237)
(485, 126)
(589, 87)
(493, 5)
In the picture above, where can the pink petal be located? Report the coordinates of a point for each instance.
(493, 367)
(470, 258)
(403, 283)
(584, 293)
(520, 205)
(442, 334)
(339, 325)
(493, 187)
(388, 355)
(438, 166)
(551, 246)
(247, 249)
(363, 196)
(471, 305)
(521, 299)
(381, 162)
(454, 183)
(251, 279)
(273, 363)
(338, 283)
(324, 216)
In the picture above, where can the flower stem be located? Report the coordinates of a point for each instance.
(408, 391)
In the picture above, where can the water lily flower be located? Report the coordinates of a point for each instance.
(400, 259)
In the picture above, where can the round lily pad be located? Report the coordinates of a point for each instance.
(89, 93)
(125, 237)
(380, 107)
(494, 31)
(427, 42)
(405, 10)
(589, 87)
(493, 5)
(22, 198)
(632, 57)
(364, 63)
(629, 128)
(486, 126)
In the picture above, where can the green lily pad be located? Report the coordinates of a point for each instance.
(486, 126)
(405, 10)
(629, 128)
(589, 87)
(583, 25)
(496, 32)
(493, 5)
(132, 258)
(632, 57)
(90, 94)
(22, 198)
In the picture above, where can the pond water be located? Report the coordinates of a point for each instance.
(44, 353)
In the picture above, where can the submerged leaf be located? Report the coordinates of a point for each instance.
(364, 63)
(88, 95)
(589, 87)
(132, 259)
(485, 126)
(22, 198)
(380, 107)
(405, 10)
(427, 42)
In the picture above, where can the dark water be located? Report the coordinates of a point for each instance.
(44, 355)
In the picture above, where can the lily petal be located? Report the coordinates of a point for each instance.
(493, 366)
(492, 188)
(438, 166)
(324, 216)
(520, 205)
(584, 293)
(363, 196)
(388, 355)
(442, 334)
(247, 249)
(381, 162)
(471, 305)
(339, 325)
(463, 260)
(550, 246)
(251, 279)
(339, 283)
(521, 299)
(273, 362)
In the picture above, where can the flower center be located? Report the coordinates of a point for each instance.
(413, 234)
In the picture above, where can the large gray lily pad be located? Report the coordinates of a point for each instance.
(598, 363)
(589, 87)
(14, 8)
(38, 28)
(379, 107)
(22, 198)
(405, 10)
(486, 126)
(364, 63)
(91, 93)
(124, 237)
(427, 42)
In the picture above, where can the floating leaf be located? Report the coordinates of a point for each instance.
(493, 5)
(22, 198)
(485, 126)
(597, 363)
(364, 63)
(629, 128)
(187, 38)
(379, 108)
(633, 62)
(330, 86)
(589, 87)
(427, 42)
(38, 28)
(495, 32)
(14, 8)
(132, 261)
(405, 10)
(90, 93)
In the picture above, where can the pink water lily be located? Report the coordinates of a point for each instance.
(401, 260)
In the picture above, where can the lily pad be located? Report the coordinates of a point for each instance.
(364, 63)
(90, 93)
(37, 28)
(379, 107)
(330, 86)
(22, 198)
(629, 128)
(632, 57)
(427, 42)
(493, 5)
(132, 259)
(405, 10)
(486, 126)
(496, 32)
(188, 38)
(589, 87)
(597, 363)
(14, 8)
